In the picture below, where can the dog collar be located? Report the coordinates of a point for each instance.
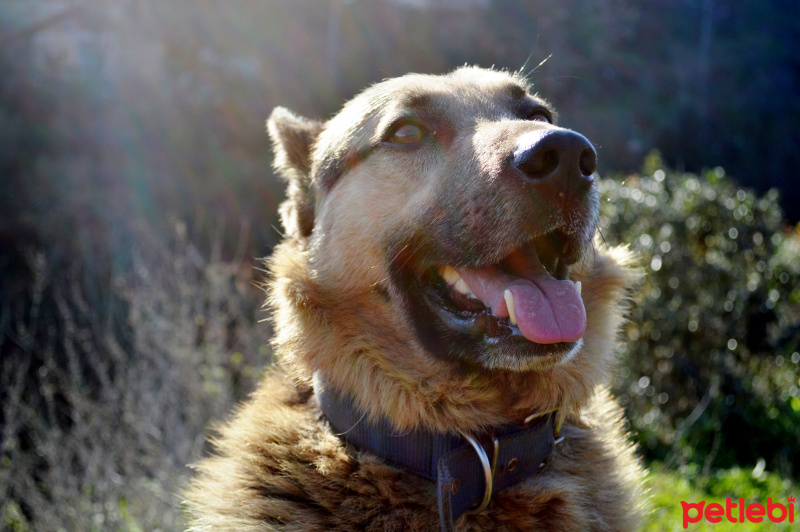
(466, 468)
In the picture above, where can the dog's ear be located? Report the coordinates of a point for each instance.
(293, 137)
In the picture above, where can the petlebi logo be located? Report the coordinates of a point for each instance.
(738, 511)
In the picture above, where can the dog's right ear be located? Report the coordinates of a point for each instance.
(293, 138)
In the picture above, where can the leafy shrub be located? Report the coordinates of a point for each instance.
(712, 345)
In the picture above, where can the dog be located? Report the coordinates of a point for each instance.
(445, 322)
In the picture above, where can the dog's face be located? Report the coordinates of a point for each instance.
(445, 214)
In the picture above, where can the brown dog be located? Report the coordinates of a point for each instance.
(447, 319)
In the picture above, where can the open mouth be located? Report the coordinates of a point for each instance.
(526, 298)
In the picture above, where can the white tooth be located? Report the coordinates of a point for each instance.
(462, 286)
(578, 287)
(512, 315)
(449, 274)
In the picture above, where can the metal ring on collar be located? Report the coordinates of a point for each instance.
(488, 469)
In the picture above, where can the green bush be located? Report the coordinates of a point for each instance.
(712, 344)
(668, 488)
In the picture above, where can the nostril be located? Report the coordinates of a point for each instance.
(556, 155)
(537, 164)
(588, 162)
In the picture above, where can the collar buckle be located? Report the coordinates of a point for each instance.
(443, 457)
(488, 469)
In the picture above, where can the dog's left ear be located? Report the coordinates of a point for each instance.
(293, 138)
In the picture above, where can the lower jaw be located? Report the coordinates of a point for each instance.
(508, 359)
(482, 339)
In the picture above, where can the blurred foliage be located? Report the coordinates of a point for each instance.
(161, 105)
(713, 362)
(668, 487)
(105, 398)
(122, 332)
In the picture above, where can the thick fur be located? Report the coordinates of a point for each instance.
(356, 204)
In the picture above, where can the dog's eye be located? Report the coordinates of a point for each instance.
(407, 134)
(540, 116)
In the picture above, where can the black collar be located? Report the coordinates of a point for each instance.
(467, 468)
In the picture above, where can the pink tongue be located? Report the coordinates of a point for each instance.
(548, 311)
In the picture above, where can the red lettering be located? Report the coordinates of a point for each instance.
(771, 507)
(714, 512)
(755, 513)
(692, 506)
(730, 505)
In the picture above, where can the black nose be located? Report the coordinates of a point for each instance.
(555, 154)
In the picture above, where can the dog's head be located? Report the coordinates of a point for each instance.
(440, 235)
